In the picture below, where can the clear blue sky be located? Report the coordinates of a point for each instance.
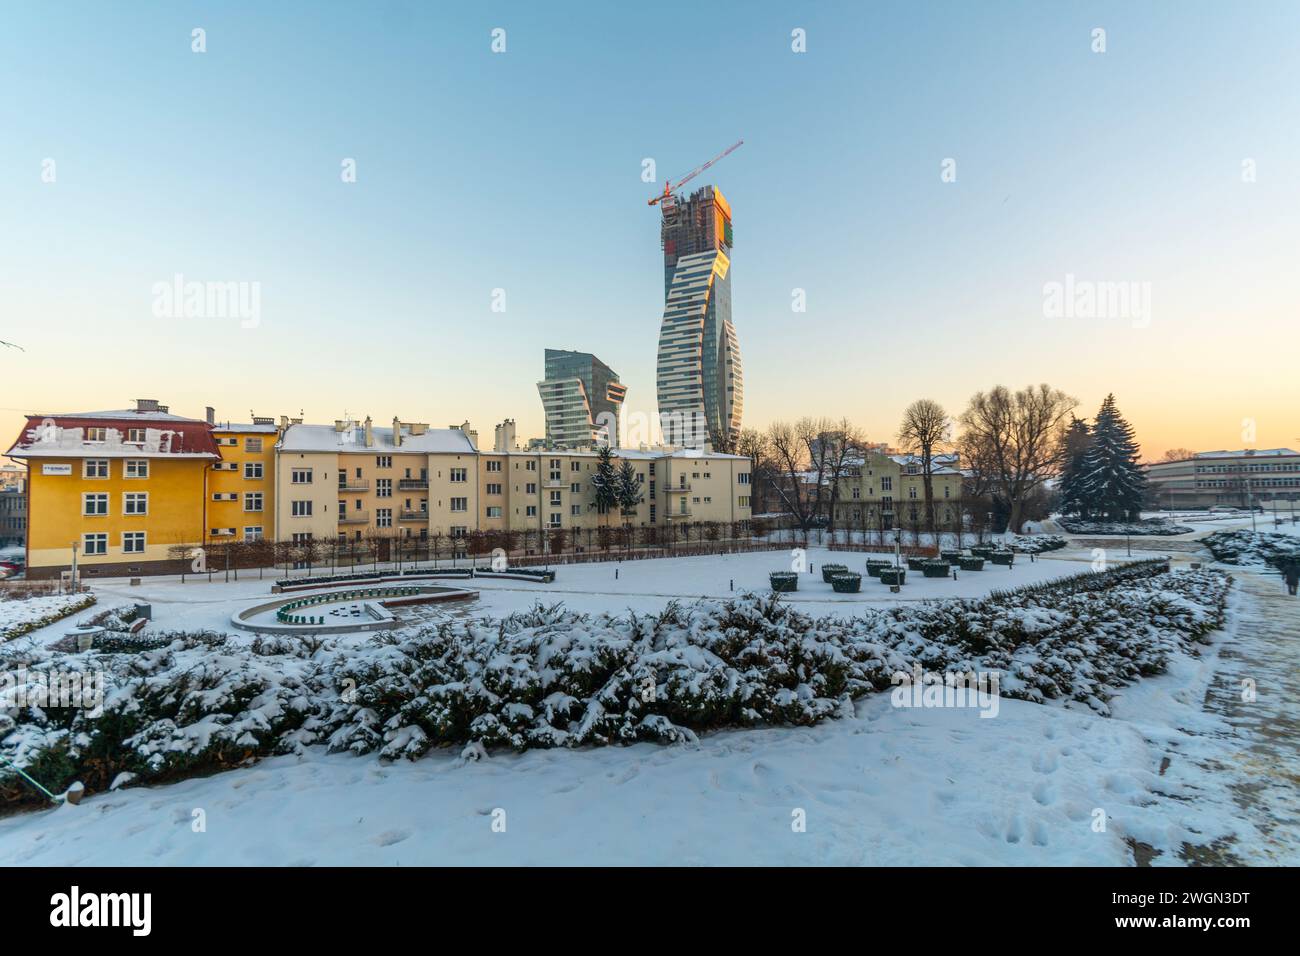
(522, 170)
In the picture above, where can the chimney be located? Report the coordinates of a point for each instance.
(284, 422)
(146, 404)
(370, 434)
(210, 414)
(473, 435)
(397, 433)
(504, 439)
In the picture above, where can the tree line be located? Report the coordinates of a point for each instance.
(1010, 445)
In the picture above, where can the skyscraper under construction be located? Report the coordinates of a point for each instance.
(699, 380)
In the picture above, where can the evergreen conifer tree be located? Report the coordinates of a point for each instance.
(1113, 483)
(628, 489)
(604, 483)
(1075, 446)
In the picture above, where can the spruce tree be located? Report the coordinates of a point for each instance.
(1113, 483)
(604, 483)
(1074, 450)
(628, 490)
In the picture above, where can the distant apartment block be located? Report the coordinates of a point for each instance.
(581, 397)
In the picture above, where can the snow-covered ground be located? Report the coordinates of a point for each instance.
(1032, 786)
(888, 786)
(642, 586)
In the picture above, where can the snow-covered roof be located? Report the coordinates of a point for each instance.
(633, 454)
(237, 427)
(326, 438)
(1249, 453)
(65, 436)
(130, 413)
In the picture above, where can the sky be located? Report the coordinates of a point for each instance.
(1167, 164)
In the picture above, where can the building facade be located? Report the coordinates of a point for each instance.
(1243, 478)
(13, 515)
(699, 377)
(881, 491)
(581, 397)
(142, 491)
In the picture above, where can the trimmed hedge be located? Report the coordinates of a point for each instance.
(935, 569)
(847, 583)
(784, 581)
(830, 570)
(1004, 558)
(972, 563)
(893, 576)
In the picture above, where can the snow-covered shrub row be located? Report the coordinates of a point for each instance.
(549, 677)
(19, 617)
(1255, 548)
(1156, 526)
(1035, 543)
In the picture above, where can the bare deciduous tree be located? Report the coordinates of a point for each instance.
(926, 430)
(1013, 440)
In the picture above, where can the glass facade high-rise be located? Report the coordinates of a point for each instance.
(581, 397)
(699, 376)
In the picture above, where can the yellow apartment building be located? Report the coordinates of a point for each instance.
(882, 491)
(241, 487)
(121, 492)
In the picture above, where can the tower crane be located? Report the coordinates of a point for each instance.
(666, 197)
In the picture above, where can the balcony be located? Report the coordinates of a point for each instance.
(555, 483)
(355, 517)
(413, 514)
(678, 489)
(354, 484)
(412, 484)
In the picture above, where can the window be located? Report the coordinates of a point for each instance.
(555, 498)
(743, 502)
(253, 445)
(252, 501)
(530, 511)
(494, 511)
(494, 466)
(493, 489)
(531, 488)
(886, 483)
(383, 517)
(97, 435)
(95, 468)
(134, 436)
(458, 531)
(383, 487)
(460, 504)
(94, 544)
(383, 461)
(252, 533)
(575, 510)
(300, 476)
(532, 465)
(253, 470)
(300, 509)
(135, 503)
(911, 492)
(555, 519)
(743, 478)
(136, 468)
(576, 488)
(302, 537)
(947, 491)
(133, 542)
(458, 474)
(575, 466)
(94, 504)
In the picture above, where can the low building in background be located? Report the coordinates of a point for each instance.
(13, 516)
(1244, 478)
(881, 491)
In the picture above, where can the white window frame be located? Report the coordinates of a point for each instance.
(132, 500)
(86, 469)
(99, 497)
(134, 536)
(254, 471)
(249, 496)
(139, 465)
(97, 537)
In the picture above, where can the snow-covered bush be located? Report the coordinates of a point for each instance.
(1035, 543)
(19, 617)
(1155, 526)
(1254, 548)
(553, 678)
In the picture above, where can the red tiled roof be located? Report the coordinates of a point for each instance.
(179, 437)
